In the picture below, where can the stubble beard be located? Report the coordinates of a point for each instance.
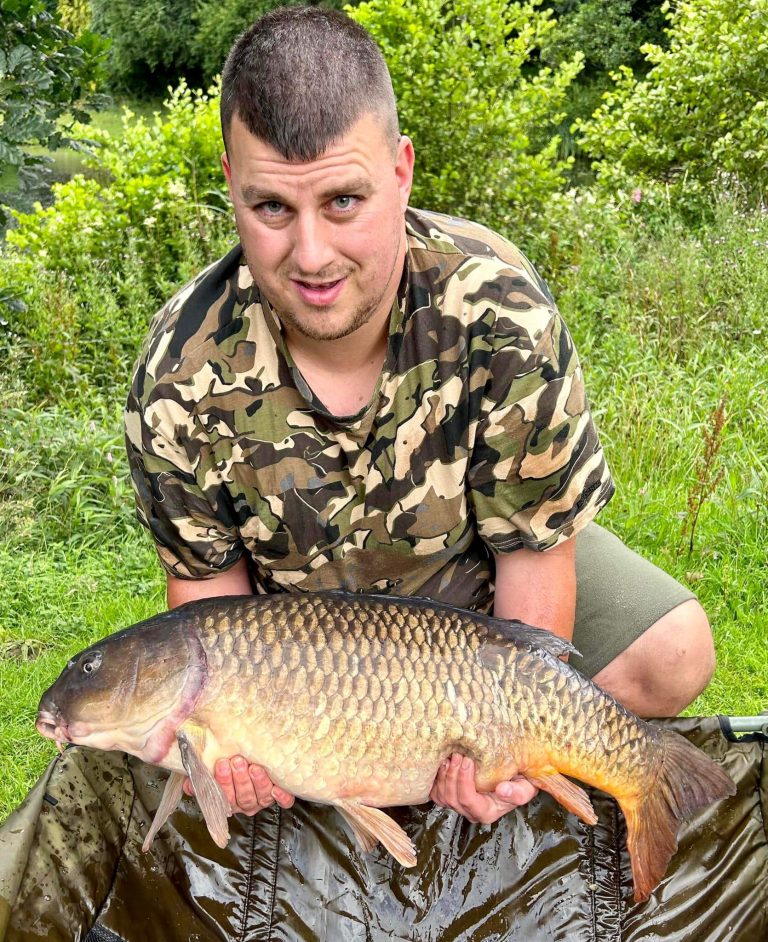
(313, 327)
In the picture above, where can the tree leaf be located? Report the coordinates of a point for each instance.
(19, 55)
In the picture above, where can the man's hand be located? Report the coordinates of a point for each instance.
(248, 788)
(454, 787)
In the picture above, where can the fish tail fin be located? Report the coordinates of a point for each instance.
(688, 780)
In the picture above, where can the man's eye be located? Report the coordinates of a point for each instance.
(270, 208)
(345, 203)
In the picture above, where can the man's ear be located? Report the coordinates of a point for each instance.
(227, 170)
(404, 169)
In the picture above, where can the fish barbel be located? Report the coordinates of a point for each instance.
(356, 700)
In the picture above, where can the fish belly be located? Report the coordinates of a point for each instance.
(337, 701)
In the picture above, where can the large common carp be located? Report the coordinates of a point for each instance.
(355, 701)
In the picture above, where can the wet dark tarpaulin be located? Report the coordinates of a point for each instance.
(71, 868)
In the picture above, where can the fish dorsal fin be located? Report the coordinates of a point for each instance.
(501, 631)
(169, 801)
(212, 800)
(512, 632)
(371, 825)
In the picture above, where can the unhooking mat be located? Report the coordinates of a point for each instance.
(71, 868)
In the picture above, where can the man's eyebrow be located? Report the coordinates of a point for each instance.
(357, 186)
(255, 194)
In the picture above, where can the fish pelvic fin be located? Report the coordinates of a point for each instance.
(371, 825)
(568, 793)
(168, 803)
(688, 780)
(212, 800)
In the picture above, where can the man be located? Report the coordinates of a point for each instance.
(367, 397)
(362, 396)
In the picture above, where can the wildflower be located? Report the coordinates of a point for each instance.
(150, 221)
(110, 459)
(637, 196)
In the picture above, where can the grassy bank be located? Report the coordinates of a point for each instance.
(57, 600)
(669, 325)
(672, 333)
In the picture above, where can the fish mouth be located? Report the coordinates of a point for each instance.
(53, 726)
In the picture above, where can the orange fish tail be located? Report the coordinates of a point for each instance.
(688, 780)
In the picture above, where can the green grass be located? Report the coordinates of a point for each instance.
(53, 604)
(666, 325)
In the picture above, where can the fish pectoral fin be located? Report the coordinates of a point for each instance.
(570, 796)
(371, 825)
(212, 800)
(168, 803)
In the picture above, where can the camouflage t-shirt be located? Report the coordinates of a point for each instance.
(477, 440)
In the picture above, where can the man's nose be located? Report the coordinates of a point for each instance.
(312, 245)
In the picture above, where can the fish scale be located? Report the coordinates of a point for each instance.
(400, 654)
(356, 700)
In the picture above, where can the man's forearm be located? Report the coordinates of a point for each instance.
(538, 588)
(234, 581)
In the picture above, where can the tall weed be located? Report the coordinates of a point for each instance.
(63, 475)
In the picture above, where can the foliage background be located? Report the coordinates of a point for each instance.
(654, 250)
(47, 82)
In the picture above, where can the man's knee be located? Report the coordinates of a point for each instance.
(667, 667)
(685, 650)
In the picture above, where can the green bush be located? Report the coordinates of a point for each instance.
(609, 33)
(161, 178)
(220, 22)
(109, 251)
(157, 42)
(697, 121)
(482, 119)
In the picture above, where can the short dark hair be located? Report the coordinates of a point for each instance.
(300, 77)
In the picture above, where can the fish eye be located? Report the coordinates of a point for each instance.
(92, 663)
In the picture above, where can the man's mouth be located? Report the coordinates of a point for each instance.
(319, 293)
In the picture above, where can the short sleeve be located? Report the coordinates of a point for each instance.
(179, 494)
(537, 472)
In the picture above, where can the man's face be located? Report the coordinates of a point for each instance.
(324, 240)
